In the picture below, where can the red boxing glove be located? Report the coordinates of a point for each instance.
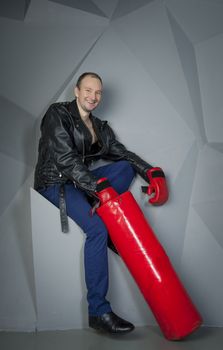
(157, 186)
(104, 191)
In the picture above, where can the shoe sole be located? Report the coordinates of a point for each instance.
(102, 330)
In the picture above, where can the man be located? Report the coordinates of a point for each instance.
(71, 140)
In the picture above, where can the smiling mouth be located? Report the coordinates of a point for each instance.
(92, 103)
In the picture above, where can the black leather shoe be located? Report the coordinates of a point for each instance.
(110, 323)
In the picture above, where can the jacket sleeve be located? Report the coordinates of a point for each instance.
(119, 151)
(56, 126)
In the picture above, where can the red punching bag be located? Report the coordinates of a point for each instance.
(149, 264)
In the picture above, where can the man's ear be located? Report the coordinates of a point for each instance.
(76, 91)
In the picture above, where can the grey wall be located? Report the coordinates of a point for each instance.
(161, 62)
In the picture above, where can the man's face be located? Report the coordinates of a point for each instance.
(89, 94)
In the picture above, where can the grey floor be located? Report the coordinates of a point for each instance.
(142, 338)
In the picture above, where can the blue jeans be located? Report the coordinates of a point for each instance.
(120, 174)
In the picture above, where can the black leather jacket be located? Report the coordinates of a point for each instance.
(65, 149)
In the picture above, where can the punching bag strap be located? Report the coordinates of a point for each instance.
(144, 189)
(63, 210)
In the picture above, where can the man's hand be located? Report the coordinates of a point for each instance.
(157, 186)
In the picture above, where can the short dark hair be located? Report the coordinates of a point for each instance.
(82, 76)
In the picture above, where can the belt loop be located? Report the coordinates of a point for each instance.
(63, 210)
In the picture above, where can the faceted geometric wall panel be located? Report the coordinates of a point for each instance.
(14, 9)
(202, 262)
(17, 297)
(157, 52)
(13, 175)
(35, 73)
(84, 5)
(210, 213)
(122, 9)
(209, 56)
(107, 6)
(200, 19)
(208, 181)
(19, 124)
(189, 65)
(208, 193)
